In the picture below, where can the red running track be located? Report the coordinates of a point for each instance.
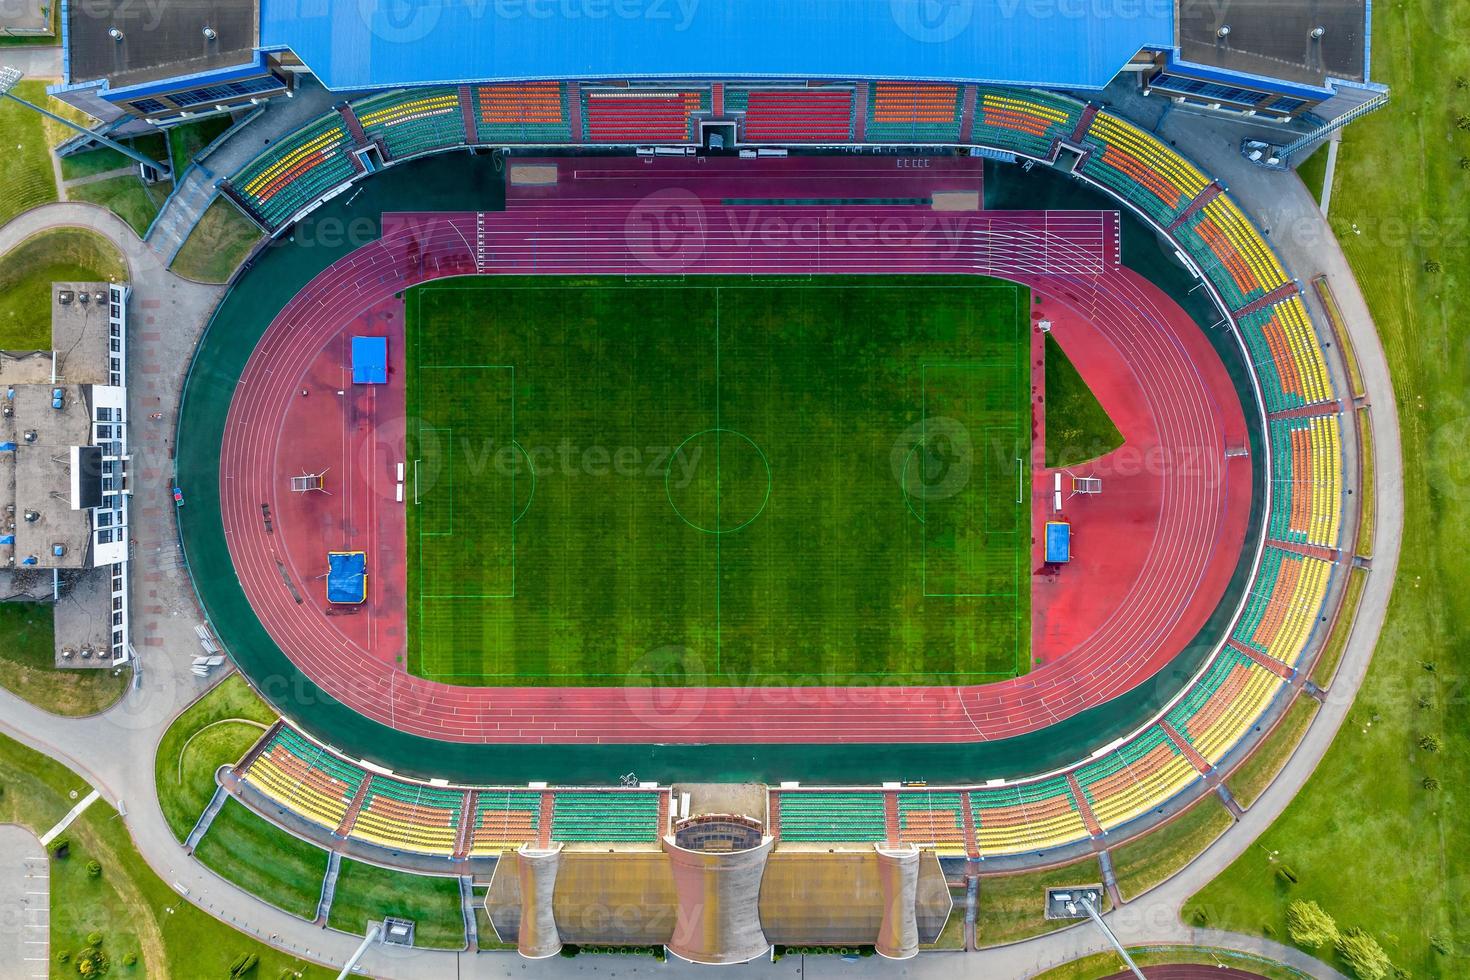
(1077, 254)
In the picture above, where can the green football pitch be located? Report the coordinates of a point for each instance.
(818, 481)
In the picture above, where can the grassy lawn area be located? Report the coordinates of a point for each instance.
(27, 666)
(1369, 841)
(670, 448)
(26, 180)
(187, 139)
(1077, 428)
(1150, 860)
(29, 269)
(485, 937)
(1011, 906)
(134, 909)
(214, 731)
(105, 158)
(1368, 502)
(264, 860)
(1108, 964)
(127, 197)
(1249, 781)
(220, 241)
(1326, 666)
(1313, 171)
(366, 893)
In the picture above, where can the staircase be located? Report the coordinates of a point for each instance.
(1186, 749)
(201, 826)
(890, 817)
(467, 114)
(329, 887)
(466, 825)
(1284, 291)
(1275, 666)
(467, 910)
(972, 846)
(773, 817)
(355, 807)
(1084, 123)
(548, 811)
(1083, 807)
(1204, 197)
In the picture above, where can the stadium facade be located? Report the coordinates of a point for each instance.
(1276, 61)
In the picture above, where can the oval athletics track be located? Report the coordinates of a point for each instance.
(1190, 417)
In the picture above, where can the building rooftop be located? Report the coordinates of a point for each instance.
(79, 332)
(159, 40)
(1274, 38)
(350, 45)
(35, 477)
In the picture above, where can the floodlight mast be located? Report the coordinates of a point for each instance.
(10, 77)
(1087, 906)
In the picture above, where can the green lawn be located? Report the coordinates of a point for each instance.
(366, 893)
(127, 197)
(1012, 907)
(1144, 863)
(28, 270)
(1077, 427)
(264, 860)
(1248, 782)
(1326, 666)
(187, 139)
(216, 730)
(1313, 171)
(134, 909)
(1369, 842)
(1368, 496)
(26, 180)
(220, 241)
(1109, 964)
(27, 666)
(735, 480)
(105, 158)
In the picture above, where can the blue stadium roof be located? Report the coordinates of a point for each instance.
(351, 44)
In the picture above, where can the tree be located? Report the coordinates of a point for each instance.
(92, 962)
(1429, 743)
(1362, 954)
(1309, 926)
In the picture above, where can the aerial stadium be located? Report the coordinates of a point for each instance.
(729, 484)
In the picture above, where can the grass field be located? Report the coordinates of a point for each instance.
(805, 481)
(134, 909)
(1108, 964)
(366, 892)
(1077, 428)
(27, 179)
(214, 731)
(1011, 906)
(28, 270)
(28, 666)
(218, 244)
(1143, 863)
(127, 196)
(264, 860)
(1369, 841)
(1248, 782)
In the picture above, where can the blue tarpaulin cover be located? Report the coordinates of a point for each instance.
(346, 576)
(1058, 541)
(369, 360)
(7, 447)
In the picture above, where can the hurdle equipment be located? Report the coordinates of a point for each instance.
(309, 483)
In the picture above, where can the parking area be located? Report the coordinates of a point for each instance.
(25, 906)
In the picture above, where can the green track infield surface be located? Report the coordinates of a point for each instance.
(720, 481)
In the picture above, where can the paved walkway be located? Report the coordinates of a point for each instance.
(36, 61)
(112, 749)
(25, 905)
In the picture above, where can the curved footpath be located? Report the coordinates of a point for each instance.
(115, 749)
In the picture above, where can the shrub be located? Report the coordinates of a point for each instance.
(60, 848)
(1430, 782)
(1441, 945)
(129, 959)
(94, 939)
(1309, 926)
(93, 963)
(243, 964)
(1362, 955)
(1429, 743)
(1287, 874)
(94, 869)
